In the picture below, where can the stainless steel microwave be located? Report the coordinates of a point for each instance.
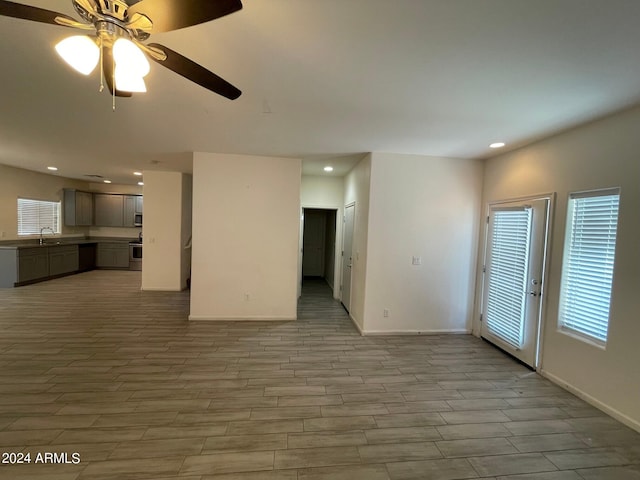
(137, 220)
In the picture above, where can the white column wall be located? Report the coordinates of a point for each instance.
(356, 190)
(246, 218)
(426, 207)
(162, 220)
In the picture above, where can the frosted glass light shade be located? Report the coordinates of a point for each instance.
(127, 81)
(80, 52)
(127, 55)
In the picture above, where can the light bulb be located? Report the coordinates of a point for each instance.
(80, 52)
(127, 81)
(128, 55)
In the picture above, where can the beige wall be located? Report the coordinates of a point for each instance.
(322, 191)
(163, 247)
(425, 207)
(246, 218)
(16, 182)
(325, 192)
(356, 190)
(602, 154)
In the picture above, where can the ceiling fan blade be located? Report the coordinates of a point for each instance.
(65, 22)
(196, 73)
(35, 14)
(170, 15)
(107, 65)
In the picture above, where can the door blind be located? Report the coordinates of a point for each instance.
(510, 238)
(587, 272)
(36, 214)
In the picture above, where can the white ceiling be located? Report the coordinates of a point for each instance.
(326, 81)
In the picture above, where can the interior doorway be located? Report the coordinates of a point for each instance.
(514, 277)
(347, 256)
(319, 245)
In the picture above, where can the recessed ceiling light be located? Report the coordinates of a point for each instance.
(328, 169)
(497, 145)
(137, 174)
(107, 181)
(141, 184)
(53, 169)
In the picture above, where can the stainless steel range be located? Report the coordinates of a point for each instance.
(135, 255)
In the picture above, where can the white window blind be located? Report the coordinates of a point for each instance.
(508, 274)
(587, 270)
(36, 214)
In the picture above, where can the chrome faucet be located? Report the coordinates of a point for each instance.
(42, 232)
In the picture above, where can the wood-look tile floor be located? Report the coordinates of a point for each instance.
(90, 364)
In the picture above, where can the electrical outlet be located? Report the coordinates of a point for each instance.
(3, 234)
(416, 261)
(385, 312)
(247, 297)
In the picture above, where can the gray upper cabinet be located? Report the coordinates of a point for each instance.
(129, 211)
(78, 208)
(109, 210)
(100, 209)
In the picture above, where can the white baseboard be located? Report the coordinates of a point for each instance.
(247, 318)
(355, 324)
(416, 332)
(621, 417)
(160, 289)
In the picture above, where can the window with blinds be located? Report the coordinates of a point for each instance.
(587, 270)
(506, 299)
(36, 214)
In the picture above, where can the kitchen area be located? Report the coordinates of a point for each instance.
(110, 218)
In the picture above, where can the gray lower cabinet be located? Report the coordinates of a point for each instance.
(112, 255)
(23, 265)
(33, 264)
(109, 210)
(63, 259)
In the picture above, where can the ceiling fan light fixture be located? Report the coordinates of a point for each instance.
(80, 52)
(127, 81)
(128, 55)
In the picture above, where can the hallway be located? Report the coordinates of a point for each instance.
(90, 364)
(317, 302)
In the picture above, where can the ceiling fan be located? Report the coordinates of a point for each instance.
(119, 29)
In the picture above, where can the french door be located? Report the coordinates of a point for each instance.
(515, 251)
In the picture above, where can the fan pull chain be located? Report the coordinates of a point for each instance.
(113, 82)
(101, 89)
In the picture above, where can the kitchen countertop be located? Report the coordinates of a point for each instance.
(56, 241)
